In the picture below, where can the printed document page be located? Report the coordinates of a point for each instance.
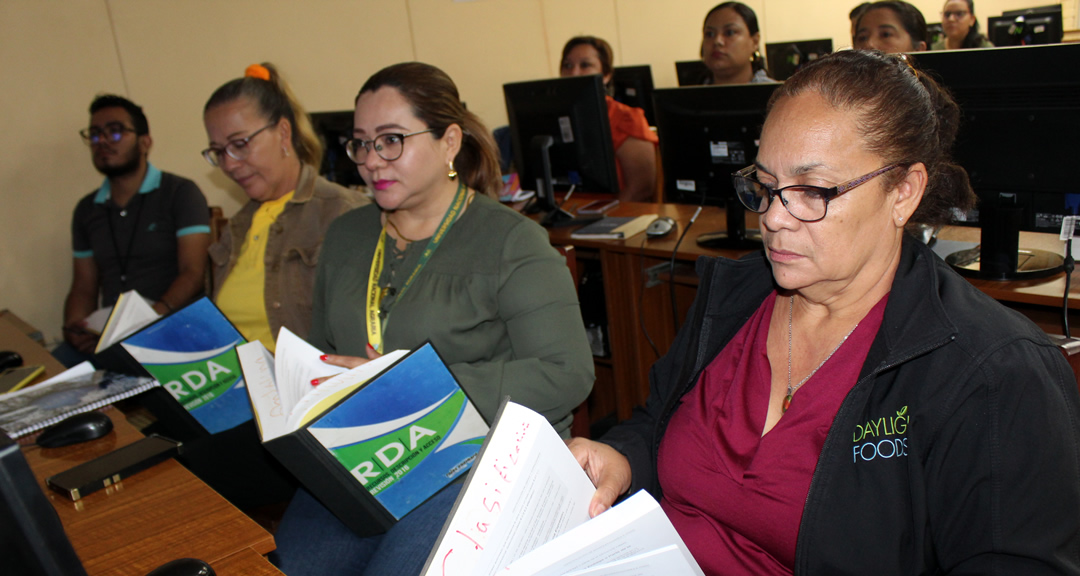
(296, 365)
(632, 530)
(526, 489)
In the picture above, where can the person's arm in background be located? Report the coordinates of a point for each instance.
(192, 222)
(191, 264)
(81, 300)
(637, 158)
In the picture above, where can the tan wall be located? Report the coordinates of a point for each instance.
(169, 55)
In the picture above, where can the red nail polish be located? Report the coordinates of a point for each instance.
(324, 357)
(315, 382)
(370, 347)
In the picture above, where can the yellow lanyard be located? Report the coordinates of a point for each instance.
(375, 326)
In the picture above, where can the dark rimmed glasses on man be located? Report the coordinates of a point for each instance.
(389, 147)
(111, 133)
(804, 202)
(235, 149)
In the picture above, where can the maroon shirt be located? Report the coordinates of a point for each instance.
(736, 497)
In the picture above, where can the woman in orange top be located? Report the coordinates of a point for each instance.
(633, 140)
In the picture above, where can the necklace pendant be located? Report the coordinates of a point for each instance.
(787, 404)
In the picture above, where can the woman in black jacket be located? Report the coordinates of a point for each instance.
(844, 403)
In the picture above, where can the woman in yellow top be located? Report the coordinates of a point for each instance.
(264, 264)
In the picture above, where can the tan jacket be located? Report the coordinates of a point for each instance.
(292, 251)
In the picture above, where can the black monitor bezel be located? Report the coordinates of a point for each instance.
(593, 149)
(31, 532)
(639, 79)
(1013, 102)
(778, 69)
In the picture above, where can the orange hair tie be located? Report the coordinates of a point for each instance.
(257, 71)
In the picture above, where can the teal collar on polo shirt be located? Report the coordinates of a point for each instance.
(151, 182)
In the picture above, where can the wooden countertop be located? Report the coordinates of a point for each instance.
(155, 516)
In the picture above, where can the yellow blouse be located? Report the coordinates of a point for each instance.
(242, 295)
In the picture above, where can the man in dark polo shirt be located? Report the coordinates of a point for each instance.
(143, 229)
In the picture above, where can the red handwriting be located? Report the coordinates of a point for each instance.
(470, 539)
(491, 500)
(444, 558)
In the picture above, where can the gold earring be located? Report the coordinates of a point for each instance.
(755, 56)
(452, 173)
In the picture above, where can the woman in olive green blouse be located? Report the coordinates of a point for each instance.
(436, 258)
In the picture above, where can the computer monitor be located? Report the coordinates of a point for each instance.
(1019, 106)
(334, 129)
(1048, 9)
(691, 72)
(561, 137)
(1041, 25)
(784, 58)
(707, 133)
(32, 540)
(633, 86)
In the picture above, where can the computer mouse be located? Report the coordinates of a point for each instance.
(74, 429)
(183, 567)
(662, 226)
(10, 359)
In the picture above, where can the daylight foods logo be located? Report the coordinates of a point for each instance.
(882, 438)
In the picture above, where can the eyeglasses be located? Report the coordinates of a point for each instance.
(389, 147)
(805, 203)
(954, 15)
(236, 149)
(111, 133)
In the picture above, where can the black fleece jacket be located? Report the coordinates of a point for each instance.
(957, 451)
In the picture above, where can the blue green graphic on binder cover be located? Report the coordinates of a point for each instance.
(192, 354)
(406, 434)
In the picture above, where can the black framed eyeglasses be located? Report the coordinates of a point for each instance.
(389, 147)
(236, 149)
(113, 132)
(804, 202)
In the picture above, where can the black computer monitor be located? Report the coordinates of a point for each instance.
(334, 129)
(1040, 25)
(560, 134)
(784, 58)
(1048, 9)
(707, 133)
(691, 72)
(633, 86)
(32, 540)
(1019, 108)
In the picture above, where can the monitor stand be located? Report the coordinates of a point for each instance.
(999, 256)
(737, 237)
(554, 216)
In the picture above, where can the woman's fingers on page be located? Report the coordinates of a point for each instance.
(343, 361)
(608, 469)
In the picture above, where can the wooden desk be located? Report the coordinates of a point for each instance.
(157, 515)
(1040, 300)
(13, 337)
(622, 379)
